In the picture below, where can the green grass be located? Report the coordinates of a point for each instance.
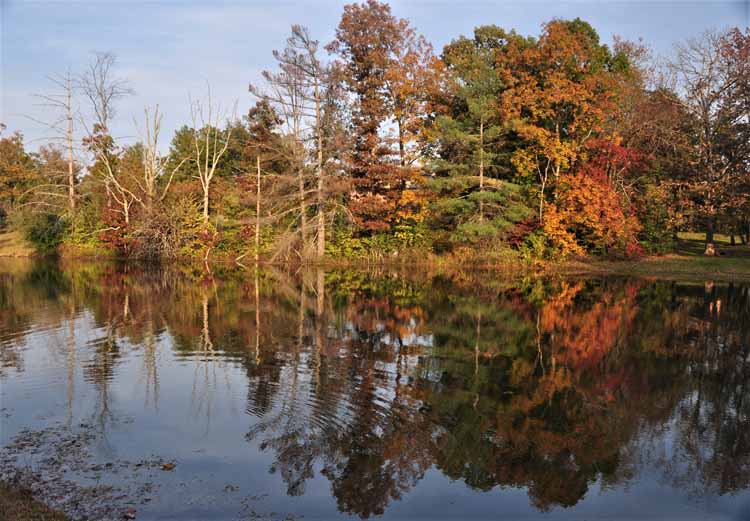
(719, 238)
(17, 504)
(686, 263)
(692, 244)
(12, 244)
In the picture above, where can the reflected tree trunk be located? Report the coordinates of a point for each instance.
(257, 318)
(257, 214)
(320, 297)
(70, 394)
(149, 358)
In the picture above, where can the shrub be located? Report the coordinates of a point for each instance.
(534, 246)
(45, 231)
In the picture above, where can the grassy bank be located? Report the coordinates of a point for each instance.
(687, 262)
(12, 244)
(17, 504)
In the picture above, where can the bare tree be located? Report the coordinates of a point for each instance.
(102, 89)
(61, 102)
(210, 142)
(297, 91)
(285, 94)
(318, 76)
(116, 186)
(154, 165)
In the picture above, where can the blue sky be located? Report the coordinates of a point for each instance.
(168, 48)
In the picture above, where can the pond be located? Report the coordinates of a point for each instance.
(161, 393)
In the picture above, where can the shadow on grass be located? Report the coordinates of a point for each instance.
(696, 247)
(687, 263)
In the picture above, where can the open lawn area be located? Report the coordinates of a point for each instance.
(687, 262)
(693, 243)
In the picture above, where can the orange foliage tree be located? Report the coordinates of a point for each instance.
(384, 64)
(592, 210)
(558, 94)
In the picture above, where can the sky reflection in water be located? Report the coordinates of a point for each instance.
(348, 394)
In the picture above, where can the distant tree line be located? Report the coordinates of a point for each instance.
(503, 146)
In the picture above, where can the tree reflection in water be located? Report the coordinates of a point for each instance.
(372, 379)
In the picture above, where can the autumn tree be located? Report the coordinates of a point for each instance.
(593, 212)
(382, 63)
(413, 74)
(711, 79)
(735, 50)
(471, 142)
(558, 92)
(18, 173)
(650, 126)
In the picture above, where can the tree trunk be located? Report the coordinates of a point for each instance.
(541, 200)
(257, 214)
(69, 136)
(710, 249)
(481, 169)
(321, 220)
(321, 210)
(320, 296)
(402, 162)
(303, 216)
(205, 205)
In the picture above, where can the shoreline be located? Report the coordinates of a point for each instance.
(686, 262)
(17, 503)
(671, 266)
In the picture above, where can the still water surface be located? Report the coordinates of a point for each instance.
(347, 395)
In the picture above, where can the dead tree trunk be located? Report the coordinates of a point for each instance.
(321, 245)
(69, 143)
(210, 142)
(257, 213)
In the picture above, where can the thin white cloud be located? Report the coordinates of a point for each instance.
(169, 48)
